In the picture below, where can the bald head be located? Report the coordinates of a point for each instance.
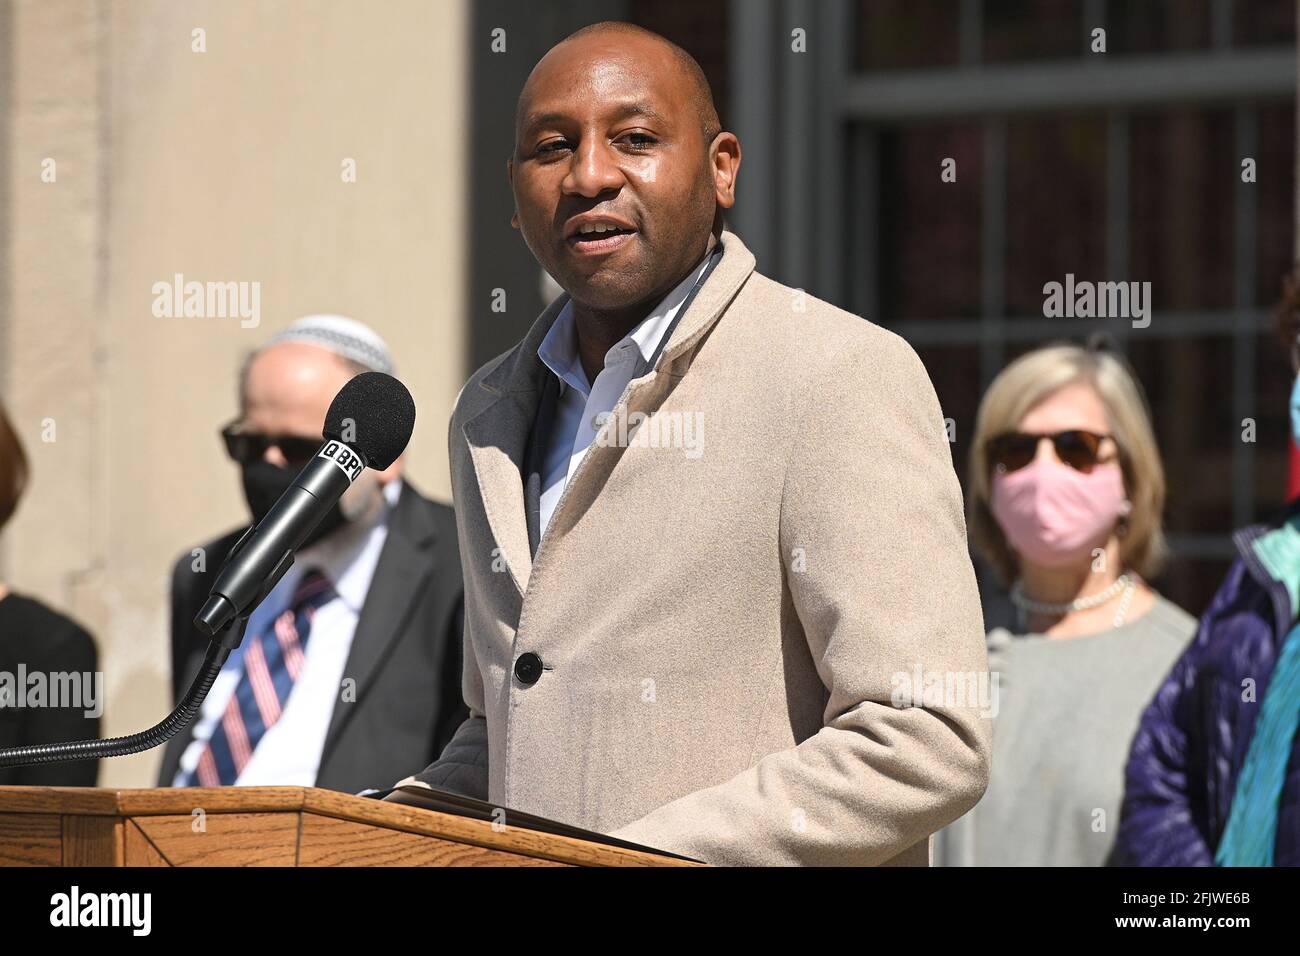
(287, 388)
(654, 49)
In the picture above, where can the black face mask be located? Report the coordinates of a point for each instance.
(265, 483)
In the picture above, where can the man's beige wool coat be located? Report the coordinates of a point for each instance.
(727, 607)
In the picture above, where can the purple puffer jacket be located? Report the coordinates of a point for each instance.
(1192, 740)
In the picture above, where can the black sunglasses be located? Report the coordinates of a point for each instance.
(1077, 448)
(245, 447)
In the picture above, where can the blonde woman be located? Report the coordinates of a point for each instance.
(1065, 502)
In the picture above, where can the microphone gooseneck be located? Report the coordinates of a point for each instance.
(156, 735)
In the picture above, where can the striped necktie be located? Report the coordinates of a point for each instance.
(272, 662)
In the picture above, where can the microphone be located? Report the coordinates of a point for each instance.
(367, 426)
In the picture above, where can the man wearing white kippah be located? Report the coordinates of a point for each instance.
(350, 669)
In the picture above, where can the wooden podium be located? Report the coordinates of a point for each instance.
(269, 826)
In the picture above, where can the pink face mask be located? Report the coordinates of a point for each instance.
(1054, 515)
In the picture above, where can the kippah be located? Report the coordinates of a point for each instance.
(344, 337)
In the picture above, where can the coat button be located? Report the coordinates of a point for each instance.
(528, 668)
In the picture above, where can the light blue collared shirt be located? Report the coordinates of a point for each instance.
(582, 407)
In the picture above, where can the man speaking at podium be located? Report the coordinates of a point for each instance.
(706, 521)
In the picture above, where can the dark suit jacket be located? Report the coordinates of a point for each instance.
(43, 640)
(405, 656)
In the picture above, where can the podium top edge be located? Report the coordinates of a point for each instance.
(114, 801)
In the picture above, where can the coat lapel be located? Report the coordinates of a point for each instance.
(646, 393)
(498, 435)
(498, 441)
(535, 459)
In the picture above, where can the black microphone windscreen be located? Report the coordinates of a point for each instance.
(374, 415)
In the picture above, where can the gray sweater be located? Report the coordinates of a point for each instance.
(1067, 712)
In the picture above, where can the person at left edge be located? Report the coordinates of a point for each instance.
(38, 640)
(349, 670)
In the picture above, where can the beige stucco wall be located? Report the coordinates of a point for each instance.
(223, 166)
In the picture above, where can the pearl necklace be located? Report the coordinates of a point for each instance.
(1047, 608)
